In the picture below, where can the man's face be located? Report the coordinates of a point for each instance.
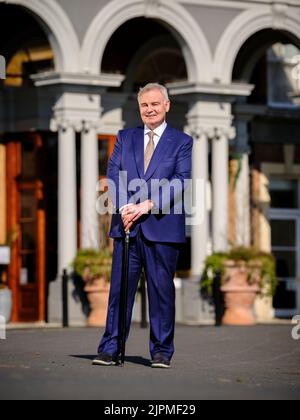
(153, 108)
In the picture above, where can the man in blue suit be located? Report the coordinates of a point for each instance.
(147, 177)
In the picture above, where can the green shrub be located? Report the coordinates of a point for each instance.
(98, 263)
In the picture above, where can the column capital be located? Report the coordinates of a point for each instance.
(212, 132)
(77, 110)
(64, 124)
(197, 132)
(227, 133)
(211, 119)
(89, 125)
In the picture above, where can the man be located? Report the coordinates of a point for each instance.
(155, 152)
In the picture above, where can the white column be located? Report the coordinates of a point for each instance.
(200, 229)
(67, 195)
(213, 120)
(220, 181)
(243, 227)
(200, 220)
(89, 179)
(242, 193)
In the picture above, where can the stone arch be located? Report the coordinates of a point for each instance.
(60, 32)
(244, 27)
(194, 45)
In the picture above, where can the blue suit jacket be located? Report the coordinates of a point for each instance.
(172, 160)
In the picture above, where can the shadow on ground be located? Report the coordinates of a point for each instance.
(135, 360)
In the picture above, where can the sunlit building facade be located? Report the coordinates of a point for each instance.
(72, 73)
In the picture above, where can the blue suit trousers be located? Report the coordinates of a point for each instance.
(160, 262)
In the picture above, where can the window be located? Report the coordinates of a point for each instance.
(284, 194)
(285, 228)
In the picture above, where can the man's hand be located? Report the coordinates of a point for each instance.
(133, 213)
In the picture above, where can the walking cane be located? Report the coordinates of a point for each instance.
(124, 299)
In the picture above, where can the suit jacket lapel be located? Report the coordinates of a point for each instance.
(138, 145)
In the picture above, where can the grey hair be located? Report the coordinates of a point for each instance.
(154, 86)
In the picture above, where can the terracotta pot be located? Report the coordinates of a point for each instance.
(239, 295)
(98, 295)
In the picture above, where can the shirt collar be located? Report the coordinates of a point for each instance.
(159, 131)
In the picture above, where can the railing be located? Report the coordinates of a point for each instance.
(65, 306)
(218, 299)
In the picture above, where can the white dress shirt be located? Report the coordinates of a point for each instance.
(159, 131)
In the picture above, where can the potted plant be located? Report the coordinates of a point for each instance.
(245, 273)
(94, 267)
(5, 259)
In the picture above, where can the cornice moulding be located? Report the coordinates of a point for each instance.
(77, 79)
(234, 89)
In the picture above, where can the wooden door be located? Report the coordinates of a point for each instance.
(26, 216)
(105, 149)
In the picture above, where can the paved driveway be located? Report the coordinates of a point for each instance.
(225, 363)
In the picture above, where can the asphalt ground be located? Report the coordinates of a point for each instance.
(228, 363)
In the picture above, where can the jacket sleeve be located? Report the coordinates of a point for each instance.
(170, 193)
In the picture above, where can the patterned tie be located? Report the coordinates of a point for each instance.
(149, 150)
